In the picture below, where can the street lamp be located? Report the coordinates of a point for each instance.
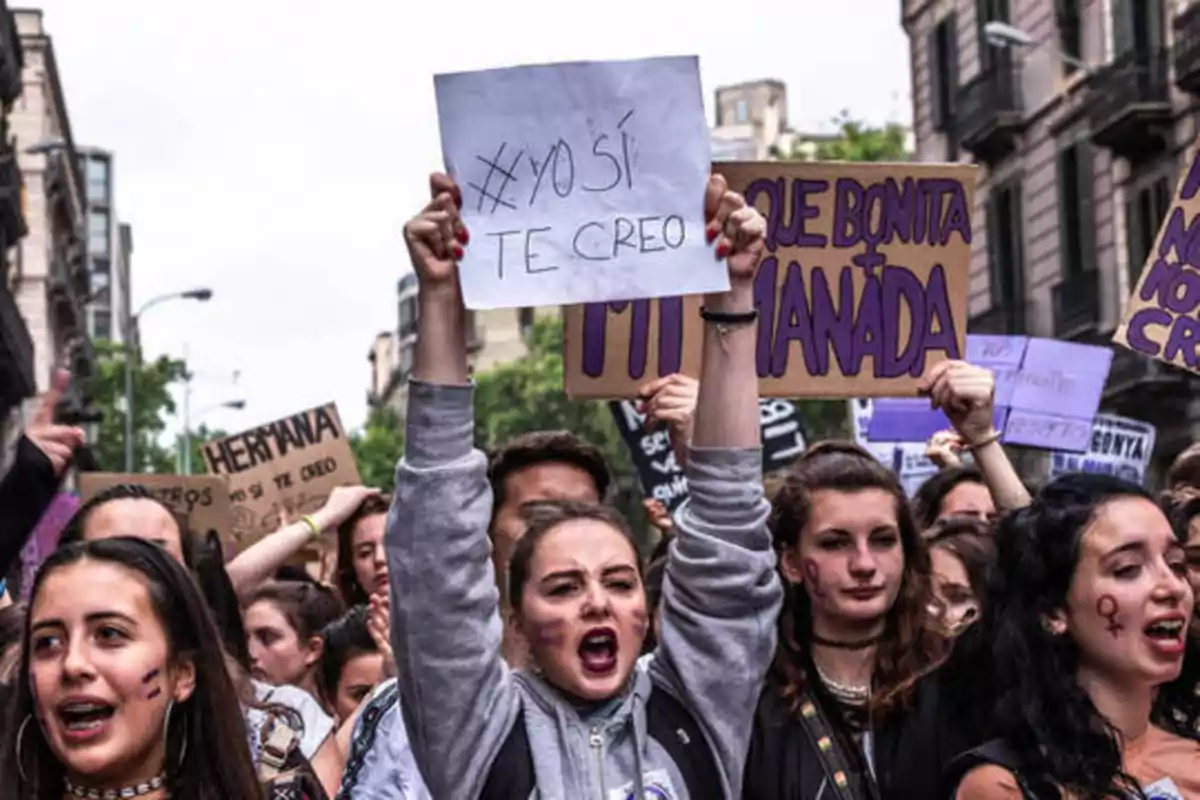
(1003, 36)
(232, 405)
(202, 294)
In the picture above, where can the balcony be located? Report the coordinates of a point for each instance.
(1006, 319)
(17, 377)
(12, 218)
(1130, 108)
(1186, 52)
(1133, 372)
(1076, 304)
(989, 113)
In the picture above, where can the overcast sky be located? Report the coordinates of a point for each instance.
(272, 149)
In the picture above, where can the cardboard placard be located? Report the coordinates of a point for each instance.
(658, 470)
(283, 469)
(201, 500)
(1119, 446)
(863, 287)
(1162, 317)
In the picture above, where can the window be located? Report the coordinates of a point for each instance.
(1006, 259)
(525, 322)
(408, 317)
(98, 233)
(101, 324)
(1075, 208)
(97, 180)
(1137, 25)
(943, 80)
(1144, 215)
(741, 111)
(1070, 32)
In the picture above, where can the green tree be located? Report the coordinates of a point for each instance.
(527, 395)
(378, 446)
(858, 141)
(200, 435)
(152, 403)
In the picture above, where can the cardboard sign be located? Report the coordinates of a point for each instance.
(906, 459)
(202, 501)
(660, 474)
(581, 181)
(1047, 394)
(1119, 446)
(1161, 318)
(862, 288)
(281, 470)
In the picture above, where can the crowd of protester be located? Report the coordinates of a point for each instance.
(494, 629)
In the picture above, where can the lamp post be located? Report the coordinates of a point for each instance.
(186, 455)
(1003, 36)
(131, 328)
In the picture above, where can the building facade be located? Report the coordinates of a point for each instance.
(752, 124)
(1080, 115)
(18, 374)
(51, 263)
(105, 290)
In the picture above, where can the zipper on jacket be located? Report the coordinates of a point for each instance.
(596, 741)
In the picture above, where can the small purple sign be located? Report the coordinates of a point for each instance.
(1047, 394)
(44, 538)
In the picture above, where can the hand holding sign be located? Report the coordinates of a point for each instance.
(671, 401)
(57, 442)
(739, 229)
(435, 236)
(966, 394)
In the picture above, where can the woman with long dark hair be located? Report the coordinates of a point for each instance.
(125, 688)
(1088, 625)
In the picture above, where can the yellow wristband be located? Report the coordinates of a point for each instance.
(312, 525)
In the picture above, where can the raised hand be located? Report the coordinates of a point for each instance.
(436, 236)
(943, 449)
(379, 626)
(737, 229)
(57, 442)
(671, 401)
(342, 503)
(966, 394)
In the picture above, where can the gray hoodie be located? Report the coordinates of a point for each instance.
(720, 599)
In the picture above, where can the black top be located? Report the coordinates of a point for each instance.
(25, 493)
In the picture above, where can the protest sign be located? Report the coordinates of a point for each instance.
(1161, 318)
(281, 470)
(906, 459)
(1119, 446)
(580, 182)
(44, 538)
(862, 288)
(201, 501)
(1047, 393)
(659, 472)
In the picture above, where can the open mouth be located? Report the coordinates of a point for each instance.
(1167, 635)
(598, 651)
(84, 718)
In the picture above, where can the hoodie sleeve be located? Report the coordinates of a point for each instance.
(26, 491)
(460, 699)
(721, 596)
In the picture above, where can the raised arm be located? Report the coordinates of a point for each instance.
(721, 593)
(459, 698)
(966, 393)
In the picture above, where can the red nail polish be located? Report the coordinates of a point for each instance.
(463, 235)
(458, 251)
(710, 234)
(722, 250)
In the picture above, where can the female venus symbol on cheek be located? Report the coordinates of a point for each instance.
(812, 574)
(157, 690)
(1107, 607)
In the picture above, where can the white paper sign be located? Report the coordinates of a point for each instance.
(1164, 789)
(1118, 446)
(581, 182)
(906, 459)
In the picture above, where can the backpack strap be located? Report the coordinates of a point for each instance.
(366, 730)
(840, 779)
(669, 723)
(996, 751)
(511, 776)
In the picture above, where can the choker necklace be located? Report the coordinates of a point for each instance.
(850, 695)
(141, 789)
(861, 644)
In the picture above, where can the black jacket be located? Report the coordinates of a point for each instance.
(25, 493)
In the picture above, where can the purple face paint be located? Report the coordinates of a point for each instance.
(549, 634)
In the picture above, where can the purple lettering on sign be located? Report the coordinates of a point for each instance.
(790, 232)
(670, 336)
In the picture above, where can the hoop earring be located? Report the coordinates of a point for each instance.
(17, 744)
(167, 736)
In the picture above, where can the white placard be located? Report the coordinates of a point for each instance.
(581, 182)
(1118, 446)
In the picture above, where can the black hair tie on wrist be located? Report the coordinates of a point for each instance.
(723, 318)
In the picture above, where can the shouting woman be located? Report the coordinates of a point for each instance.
(587, 720)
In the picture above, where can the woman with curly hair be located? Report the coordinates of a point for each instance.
(851, 709)
(1088, 625)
